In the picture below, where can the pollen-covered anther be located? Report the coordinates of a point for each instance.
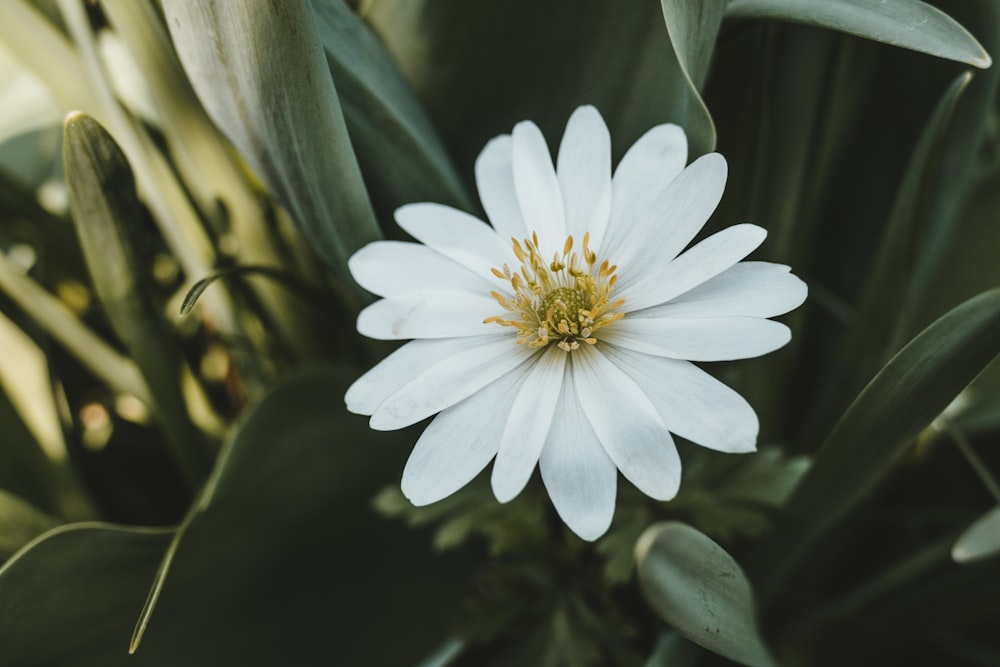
(565, 300)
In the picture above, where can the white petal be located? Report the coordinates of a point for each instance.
(584, 171)
(578, 474)
(495, 181)
(447, 382)
(463, 238)
(537, 187)
(458, 443)
(528, 424)
(692, 403)
(649, 165)
(627, 424)
(429, 314)
(699, 339)
(393, 268)
(704, 260)
(399, 368)
(747, 289)
(658, 228)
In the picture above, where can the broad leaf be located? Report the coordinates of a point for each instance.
(259, 69)
(910, 24)
(696, 587)
(283, 563)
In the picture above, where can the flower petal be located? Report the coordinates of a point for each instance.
(627, 424)
(528, 424)
(394, 268)
(584, 171)
(658, 228)
(704, 260)
(692, 403)
(537, 186)
(699, 339)
(429, 314)
(459, 443)
(649, 165)
(447, 382)
(578, 474)
(495, 182)
(463, 238)
(746, 289)
(402, 367)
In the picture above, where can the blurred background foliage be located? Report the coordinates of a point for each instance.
(189, 488)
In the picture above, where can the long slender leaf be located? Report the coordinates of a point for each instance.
(899, 402)
(260, 71)
(980, 540)
(107, 213)
(867, 344)
(910, 24)
(699, 589)
(205, 160)
(400, 152)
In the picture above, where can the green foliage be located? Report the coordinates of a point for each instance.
(235, 154)
(701, 591)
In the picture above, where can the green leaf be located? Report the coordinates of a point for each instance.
(980, 540)
(271, 567)
(900, 401)
(696, 587)
(70, 586)
(868, 341)
(259, 69)
(672, 650)
(20, 523)
(400, 152)
(693, 28)
(107, 215)
(910, 24)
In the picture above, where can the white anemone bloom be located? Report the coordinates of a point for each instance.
(562, 334)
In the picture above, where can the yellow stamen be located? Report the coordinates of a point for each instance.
(565, 301)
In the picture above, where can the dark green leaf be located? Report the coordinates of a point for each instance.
(910, 24)
(869, 337)
(20, 523)
(277, 566)
(696, 587)
(107, 214)
(401, 155)
(899, 402)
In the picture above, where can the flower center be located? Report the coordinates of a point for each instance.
(564, 301)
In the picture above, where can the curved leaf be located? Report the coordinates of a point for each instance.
(270, 570)
(696, 587)
(980, 540)
(906, 23)
(900, 401)
(400, 152)
(693, 28)
(259, 69)
(71, 585)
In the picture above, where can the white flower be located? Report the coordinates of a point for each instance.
(581, 363)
